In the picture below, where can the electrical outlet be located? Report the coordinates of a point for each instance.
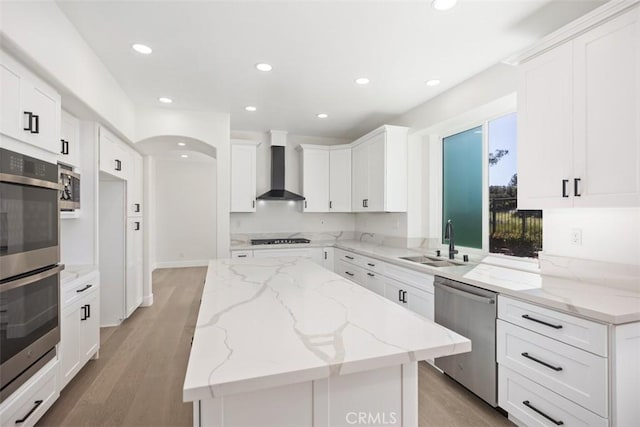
(576, 236)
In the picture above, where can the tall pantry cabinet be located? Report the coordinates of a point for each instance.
(120, 229)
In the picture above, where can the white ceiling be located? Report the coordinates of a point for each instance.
(204, 54)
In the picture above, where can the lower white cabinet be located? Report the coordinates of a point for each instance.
(408, 288)
(27, 404)
(328, 258)
(79, 326)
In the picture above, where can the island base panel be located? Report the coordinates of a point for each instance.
(387, 396)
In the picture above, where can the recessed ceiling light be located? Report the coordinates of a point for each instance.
(434, 82)
(184, 156)
(362, 81)
(264, 67)
(141, 48)
(182, 144)
(322, 115)
(250, 108)
(165, 100)
(443, 4)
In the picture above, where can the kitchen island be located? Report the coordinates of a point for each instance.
(284, 342)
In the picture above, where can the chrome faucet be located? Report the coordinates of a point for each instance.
(448, 234)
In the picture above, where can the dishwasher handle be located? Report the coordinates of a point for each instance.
(465, 294)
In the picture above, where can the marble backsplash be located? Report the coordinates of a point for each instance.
(623, 276)
(333, 236)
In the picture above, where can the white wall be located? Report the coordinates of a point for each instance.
(611, 235)
(185, 210)
(283, 217)
(42, 36)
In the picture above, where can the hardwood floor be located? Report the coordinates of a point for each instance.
(137, 381)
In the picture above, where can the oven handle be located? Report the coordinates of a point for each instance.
(30, 279)
(466, 294)
(15, 179)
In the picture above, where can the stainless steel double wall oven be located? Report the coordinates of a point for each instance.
(29, 267)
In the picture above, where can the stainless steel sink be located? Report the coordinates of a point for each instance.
(432, 261)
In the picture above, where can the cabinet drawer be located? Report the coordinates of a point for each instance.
(350, 271)
(581, 333)
(373, 264)
(31, 400)
(73, 291)
(241, 254)
(515, 392)
(578, 375)
(350, 257)
(419, 280)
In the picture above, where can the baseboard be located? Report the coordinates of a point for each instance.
(147, 301)
(182, 264)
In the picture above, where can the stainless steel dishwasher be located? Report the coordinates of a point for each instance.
(471, 312)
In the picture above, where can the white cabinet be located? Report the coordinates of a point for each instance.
(134, 272)
(30, 107)
(327, 258)
(115, 155)
(579, 116)
(79, 325)
(135, 185)
(243, 176)
(326, 178)
(69, 151)
(25, 406)
(408, 288)
(379, 171)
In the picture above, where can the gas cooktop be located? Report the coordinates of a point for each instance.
(283, 241)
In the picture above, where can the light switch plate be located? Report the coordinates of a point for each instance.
(576, 236)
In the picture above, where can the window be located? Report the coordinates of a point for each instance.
(465, 156)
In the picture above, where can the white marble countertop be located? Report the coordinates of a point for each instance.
(266, 322)
(605, 304)
(72, 272)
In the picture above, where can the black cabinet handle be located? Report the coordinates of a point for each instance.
(253, 203)
(543, 363)
(542, 322)
(366, 203)
(137, 207)
(118, 165)
(330, 204)
(65, 147)
(348, 257)
(36, 129)
(363, 203)
(84, 313)
(88, 311)
(242, 256)
(530, 406)
(404, 297)
(564, 187)
(36, 404)
(137, 226)
(325, 254)
(400, 295)
(576, 181)
(84, 289)
(371, 264)
(305, 204)
(29, 115)
(371, 275)
(349, 273)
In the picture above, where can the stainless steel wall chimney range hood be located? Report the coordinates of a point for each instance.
(278, 192)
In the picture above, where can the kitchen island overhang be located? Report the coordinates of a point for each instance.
(285, 332)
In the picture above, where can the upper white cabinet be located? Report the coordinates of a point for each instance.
(243, 175)
(579, 120)
(326, 178)
(115, 155)
(69, 152)
(379, 171)
(30, 108)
